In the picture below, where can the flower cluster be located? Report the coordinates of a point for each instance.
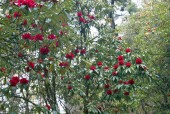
(28, 3)
(15, 80)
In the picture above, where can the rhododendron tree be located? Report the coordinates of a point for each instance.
(54, 61)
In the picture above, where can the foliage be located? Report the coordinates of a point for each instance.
(49, 53)
(148, 32)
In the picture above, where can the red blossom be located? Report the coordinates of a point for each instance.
(99, 63)
(17, 14)
(44, 50)
(33, 25)
(131, 81)
(70, 56)
(28, 3)
(121, 62)
(57, 44)
(24, 81)
(27, 69)
(76, 50)
(114, 73)
(120, 57)
(51, 37)
(109, 92)
(116, 66)
(115, 90)
(93, 68)
(20, 54)
(91, 17)
(126, 93)
(14, 80)
(61, 32)
(2, 69)
(81, 19)
(48, 106)
(79, 14)
(8, 16)
(119, 38)
(63, 64)
(24, 23)
(38, 37)
(128, 50)
(87, 77)
(31, 64)
(138, 60)
(106, 68)
(69, 87)
(128, 64)
(83, 51)
(106, 86)
(26, 36)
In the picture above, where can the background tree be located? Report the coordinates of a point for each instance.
(148, 33)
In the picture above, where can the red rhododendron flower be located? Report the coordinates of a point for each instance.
(14, 80)
(26, 36)
(125, 83)
(131, 82)
(87, 77)
(119, 38)
(38, 37)
(106, 86)
(81, 19)
(31, 64)
(69, 87)
(70, 56)
(120, 57)
(2, 69)
(8, 16)
(109, 92)
(138, 61)
(106, 68)
(28, 3)
(116, 66)
(57, 44)
(33, 25)
(48, 106)
(27, 69)
(63, 64)
(93, 68)
(91, 17)
(17, 14)
(114, 73)
(115, 90)
(24, 81)
(61, 32)
(79, 14)
(99, 63)
(51, 37)
(83, 51)
(128, 50)
(128, 64)
(24, 23)
(121, 62)
(20, 54)
(77, 51)
(44, 50)
(85, 21)
(126, 93)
